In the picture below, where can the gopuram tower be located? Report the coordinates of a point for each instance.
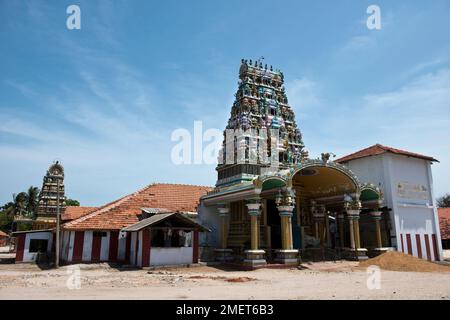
(260, 111)
(52, 191)
(271, 199)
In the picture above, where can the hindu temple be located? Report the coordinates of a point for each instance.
(275, 202)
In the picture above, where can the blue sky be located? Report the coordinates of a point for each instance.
(105, 99)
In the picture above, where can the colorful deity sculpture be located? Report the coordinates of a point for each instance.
(261, 103)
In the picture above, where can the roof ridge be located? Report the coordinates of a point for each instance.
(181, 184)
(373, 151)
(108, 207)
(124, 211)
(353, 153)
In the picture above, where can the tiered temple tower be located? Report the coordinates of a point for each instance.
(52, 188)
(261, 104)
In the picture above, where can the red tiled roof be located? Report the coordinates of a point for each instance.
(444, 222)
(380, 149)
(125, 211)
(75, 212)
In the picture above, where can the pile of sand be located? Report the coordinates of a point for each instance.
(397, 261)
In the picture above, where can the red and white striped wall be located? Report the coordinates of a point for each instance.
(134, 249)
(423, 246)
(23, 252)
(92, 246)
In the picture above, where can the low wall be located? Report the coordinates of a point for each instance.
(170, 256)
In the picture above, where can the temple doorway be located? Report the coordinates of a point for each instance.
(274, 222)
(321, 194)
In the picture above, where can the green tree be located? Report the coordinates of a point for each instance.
(6, 216)
(444, 201)
(71, 202)
(32, 201)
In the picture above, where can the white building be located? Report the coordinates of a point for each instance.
(406, 181)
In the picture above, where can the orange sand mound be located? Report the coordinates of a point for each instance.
(397, 261)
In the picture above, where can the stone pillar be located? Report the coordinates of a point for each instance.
(223, 253)
(327, 230)
(340, 220)
(376, 216)
(352, 233)
(287, 255)
(318, 218)
(357, 234)
(254, 256)
(355, 242)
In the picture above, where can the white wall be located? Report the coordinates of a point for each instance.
(65, 239)
(87, 246)
(71, 244)
(31, 256)
(408, 190)
(133, 248)
(209, 217)
(139, 249)
(171, 256)
(122, 248)
(104, 248)
(376, 170)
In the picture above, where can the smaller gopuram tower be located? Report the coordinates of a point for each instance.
(52, 190)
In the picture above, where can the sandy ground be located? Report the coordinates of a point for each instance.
(325, 280)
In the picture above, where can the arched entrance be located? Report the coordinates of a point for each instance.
(324, 194)
(271, 225)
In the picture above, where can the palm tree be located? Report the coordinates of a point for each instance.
(32, 200)
(20, 203)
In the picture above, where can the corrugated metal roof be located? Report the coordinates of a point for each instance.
(155, 210)
(32, 231)
(161, 217)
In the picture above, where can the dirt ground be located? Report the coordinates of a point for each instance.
(325, 280)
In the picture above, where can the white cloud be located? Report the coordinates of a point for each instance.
(303, 94)
(359, 43)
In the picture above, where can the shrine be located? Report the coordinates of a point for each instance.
(276, 205)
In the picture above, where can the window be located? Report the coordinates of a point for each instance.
(99, 234)
(38, 245)
(171, 238)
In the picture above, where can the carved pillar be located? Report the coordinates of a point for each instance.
(223, 253)
(223, 214)
(287, 255)
(355, 242)
(376, 216)
(357, 234)
(254, 256)
(352, 233)
(340, 220)
(327, 233)
(318, 217)
(254, 212)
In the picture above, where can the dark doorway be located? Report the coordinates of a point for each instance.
(274, 221)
